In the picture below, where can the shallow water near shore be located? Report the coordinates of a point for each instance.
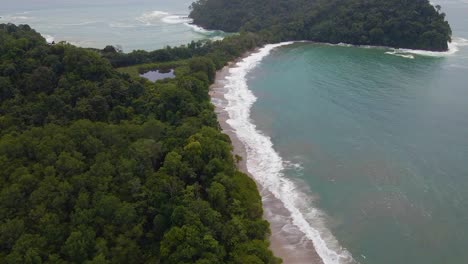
(375, 141)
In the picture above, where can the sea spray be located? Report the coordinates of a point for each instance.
(50, 39)
(148, 18)
(266, 166)
(176, 19)
(198, 29)
(154, 17)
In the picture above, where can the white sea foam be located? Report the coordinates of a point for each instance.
(148, 18)
(174, 19)
(216, 38)
(453, 47)
(295, 166)
(267, 166)
(49, 38)
(214, 35)
(407, 56)
(199, 29)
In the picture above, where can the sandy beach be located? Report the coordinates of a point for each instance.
(286, 241)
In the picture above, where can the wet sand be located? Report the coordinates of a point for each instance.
(286, 241)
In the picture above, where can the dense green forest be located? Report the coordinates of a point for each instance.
(97, 166)
(414, 24)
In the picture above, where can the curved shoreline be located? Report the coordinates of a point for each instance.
(278, 243)
(293, 238)
(453, 47)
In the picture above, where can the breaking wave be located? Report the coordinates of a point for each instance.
(407, 56)
(267, 166)
(453, 46)
(176, 19)
(154, 17)
(49, 38)
(149, 18)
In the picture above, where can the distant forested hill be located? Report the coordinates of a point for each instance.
(412, 24)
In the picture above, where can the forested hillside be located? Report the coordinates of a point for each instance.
(414, 24)
(100, 167)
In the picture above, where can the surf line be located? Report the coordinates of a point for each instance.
(266, 165)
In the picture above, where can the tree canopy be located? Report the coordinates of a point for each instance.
(414, 24)
(99, 167)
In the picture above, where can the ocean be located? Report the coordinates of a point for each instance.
(129, 25)
(365, 147)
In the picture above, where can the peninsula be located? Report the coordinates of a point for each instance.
(98, 165)
(394, 23)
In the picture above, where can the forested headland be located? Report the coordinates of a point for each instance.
(101, 166)
(97, 166)
(413, 24)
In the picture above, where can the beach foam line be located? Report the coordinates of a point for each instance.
(407, 56)
(453, 47)
(176, 19)
(213, 35)
(198, 29)
(266, 165)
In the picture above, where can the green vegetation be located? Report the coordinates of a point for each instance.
(414, 24)
(99, 167)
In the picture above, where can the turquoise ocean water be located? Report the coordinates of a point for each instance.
(375, 139)
(369, 145)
